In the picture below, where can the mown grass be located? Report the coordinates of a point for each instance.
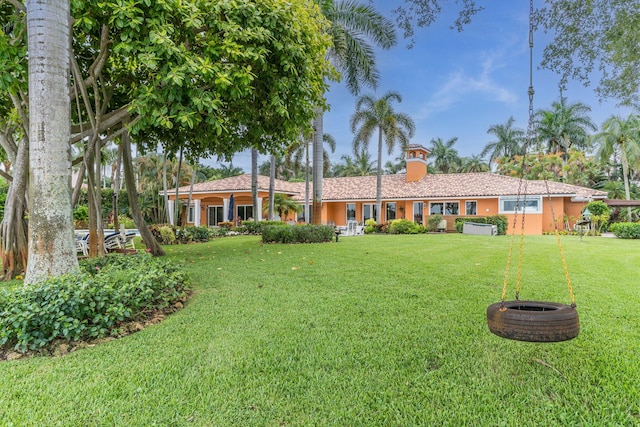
(372, 330)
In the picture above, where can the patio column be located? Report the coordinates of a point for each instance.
(259, 213)
(196, 212)
(225, 209)
(171, 208)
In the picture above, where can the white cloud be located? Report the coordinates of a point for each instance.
(459, 85)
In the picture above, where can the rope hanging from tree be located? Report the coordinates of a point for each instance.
(534, 321)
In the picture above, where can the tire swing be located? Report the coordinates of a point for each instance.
(532, 321)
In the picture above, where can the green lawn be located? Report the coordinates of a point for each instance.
(372, 330)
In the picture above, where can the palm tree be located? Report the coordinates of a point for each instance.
(565, 126)
(474, 164)
(445, 157)
(509, 142)
(621, 138)
(351, 25)
(363, 166)
(391, 168)
(284, 205)
(377, 115)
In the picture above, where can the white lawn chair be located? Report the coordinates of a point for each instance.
(112, 242)
(81, 246)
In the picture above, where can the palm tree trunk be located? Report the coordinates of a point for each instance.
(178, 206)
(164, 188)
(318, 163)
(254, 182)
(272, 184)
(379, 180)
(627, 191)
(132, 191)
(193, 181)
(306, 182)
(52, 250)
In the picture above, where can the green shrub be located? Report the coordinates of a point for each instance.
(432, 222)
(404, 226)
(253, 227)
(370, 226)
(626, 230)
(81, 213)
(167, 235)
(306, 233)
(90, 304)
(192, 233)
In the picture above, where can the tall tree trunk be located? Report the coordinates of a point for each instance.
(254, 182)
(13, 229)
(193, 181)
(52, 250)
(116, 190)
(165, 190)
(306, 182)
(132, 191)
(379, 180)
(318, 164)
(272, 184)
(178, 205)
(627, 191)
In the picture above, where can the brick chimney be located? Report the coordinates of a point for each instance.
(416, 162)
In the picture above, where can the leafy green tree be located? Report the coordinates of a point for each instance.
(378, 116)
(595, 38)
(208, 78)
(445, 158)
(284, 205)
(620, 137)
(354, 30)
(509, 141)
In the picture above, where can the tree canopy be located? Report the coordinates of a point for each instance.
(595, 39)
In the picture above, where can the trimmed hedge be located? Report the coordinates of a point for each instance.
(626, 230)
(498, 220)
(254, 227)
(90, 304)
(307, 233)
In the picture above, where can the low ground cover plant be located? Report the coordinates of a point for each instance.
(90, 304)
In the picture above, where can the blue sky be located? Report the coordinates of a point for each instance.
(458, 84)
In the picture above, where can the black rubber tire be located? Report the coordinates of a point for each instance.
(533, 321)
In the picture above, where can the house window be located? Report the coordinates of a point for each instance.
(511, 204)
(351, 211)
(369, 211)
(418, 212)
(215, 214)
(391, 211)
(244, 212)
(191, 212)
(444, 208)
(471, 208)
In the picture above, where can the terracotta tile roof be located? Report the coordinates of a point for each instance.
(457, 185)
(394, 187)
(239, 183)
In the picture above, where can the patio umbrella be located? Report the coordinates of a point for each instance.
(231, 208)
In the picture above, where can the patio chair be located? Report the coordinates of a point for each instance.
(112, 241)
(127, 239)
(81, 245)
